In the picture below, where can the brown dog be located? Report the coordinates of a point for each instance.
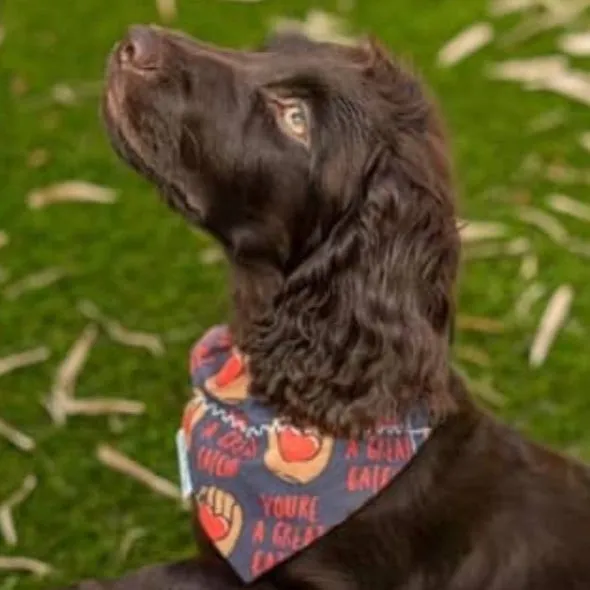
(323, 172)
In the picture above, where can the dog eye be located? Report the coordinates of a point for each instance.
(293, 118)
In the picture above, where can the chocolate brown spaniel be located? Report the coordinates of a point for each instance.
(323, 172)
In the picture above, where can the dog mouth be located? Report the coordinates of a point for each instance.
(124, 138)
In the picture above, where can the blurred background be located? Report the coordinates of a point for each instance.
(102, 289)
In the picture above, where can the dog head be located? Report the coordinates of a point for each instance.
(323, 171)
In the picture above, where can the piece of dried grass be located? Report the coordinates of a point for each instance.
(529, 267)
(475, 231)
(577, 44)
(569, 206)
(4, 239)
(211, 255)
(546, 73)
(130, 538)
(16, 437)
(78, 191)
(66, 376)
(466, 43)
(319, 26)
(103, 406)
(7, 507)
(167, 10)
(20, 360)
(530, 71)
(473, 355)
(572, 84)
(585, 140)
(64, 94)
(123, 464)
(553, 319)
(117, 332)
(527, 299)
(34, 282)
(62, 401)
(25, 564)
(556, 13)
(469, 323)
(545, 223)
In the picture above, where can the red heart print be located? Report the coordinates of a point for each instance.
(296, 446)
(216, 526)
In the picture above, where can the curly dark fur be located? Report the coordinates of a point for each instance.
(344, 259)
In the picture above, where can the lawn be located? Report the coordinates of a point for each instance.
(139, 263)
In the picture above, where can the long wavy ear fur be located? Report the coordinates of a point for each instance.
(359, 332)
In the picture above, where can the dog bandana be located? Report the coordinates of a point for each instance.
(264, 490)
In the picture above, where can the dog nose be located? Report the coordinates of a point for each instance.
(141, 48)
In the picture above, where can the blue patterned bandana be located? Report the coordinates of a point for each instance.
(264, 490)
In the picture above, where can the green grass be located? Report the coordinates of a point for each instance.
(140, 263)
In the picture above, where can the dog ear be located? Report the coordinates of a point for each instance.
(359, 332)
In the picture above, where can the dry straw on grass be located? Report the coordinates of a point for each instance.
(25, 564)
(130, 538)
(17, 438)
(73, 190)
(469, 323)
(550, 14)
(475, 231)
(117, 332)
(527, 299)
(473, 355)
(167, 10)
(529, 267)
(66, 376)
(545, 223)
(34, 282)
(568, 206)
(19, 360)
(7, 507)
(62, 401)
(319, 26)
(577, 44)
(554, 317)
(123, 464)
(549, 73)
(466, 43)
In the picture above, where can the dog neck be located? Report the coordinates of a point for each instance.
(343, 352)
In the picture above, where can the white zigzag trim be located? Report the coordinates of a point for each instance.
(217, 411)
